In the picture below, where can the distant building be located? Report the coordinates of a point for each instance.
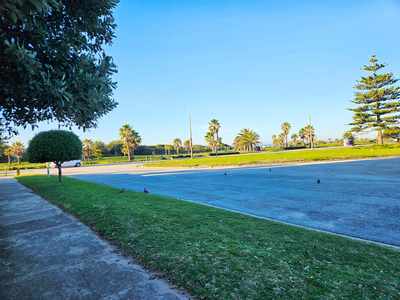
(348, 142)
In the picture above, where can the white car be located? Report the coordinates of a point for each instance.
(71, 163)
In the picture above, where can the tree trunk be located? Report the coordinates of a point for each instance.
(133, 154)
(19, 160)
(129, 152)
(177, 151)
(380, 141)
(59, 172)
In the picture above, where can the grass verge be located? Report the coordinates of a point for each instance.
(218, 254)
(283, 157)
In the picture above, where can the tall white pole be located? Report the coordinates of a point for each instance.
(190, 127)
(311, 137)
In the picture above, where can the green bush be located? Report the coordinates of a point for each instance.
(294, 148)
(224, 153)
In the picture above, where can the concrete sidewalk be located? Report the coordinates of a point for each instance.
(47, 254)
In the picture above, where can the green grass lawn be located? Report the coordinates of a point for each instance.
(218, 254)
(283, 157)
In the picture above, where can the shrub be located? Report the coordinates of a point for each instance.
(57, 146)
(224, 153)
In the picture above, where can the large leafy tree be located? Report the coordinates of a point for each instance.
(115, 147)
(285, 128)
(131, 139)
(378, 101)
(52, 65)
(391, 133)
(57, 146)
(177, 144)
(18, 149)
(99, 145)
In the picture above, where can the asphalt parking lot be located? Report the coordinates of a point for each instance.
(354, 198)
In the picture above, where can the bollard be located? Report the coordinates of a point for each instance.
(172, 159)
(5, 170)
(18, 172)
(372, 151)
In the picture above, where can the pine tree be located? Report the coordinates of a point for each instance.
(378, 100)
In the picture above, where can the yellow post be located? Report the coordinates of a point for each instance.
(18, 172)
(172, 159)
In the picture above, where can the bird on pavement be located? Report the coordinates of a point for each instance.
(318, 181)
(123, 190)
(225, 174)
(270, 170)
(145, 191)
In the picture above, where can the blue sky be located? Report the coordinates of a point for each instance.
(249, 64)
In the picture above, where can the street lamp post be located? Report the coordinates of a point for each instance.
(311, 137)
(190, 127)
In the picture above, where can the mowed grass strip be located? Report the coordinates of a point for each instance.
(282, 157)
(218, 254)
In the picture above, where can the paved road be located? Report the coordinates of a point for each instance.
(355, 198)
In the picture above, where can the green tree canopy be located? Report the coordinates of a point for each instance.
(52, 65)
(57, 146)
(391, 133)
(348, 134)
(378, 101)
(99, 145)
(115, 147)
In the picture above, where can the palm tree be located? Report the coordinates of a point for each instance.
(219, 144)
(310, 133)
(18, 149)
(247, 138)
(87, 147)
(274, 140)
(98, 154)
(186, 145)
(209, 138)
(8, 152)
(285, 128)
(294, 138)
(281, 140)
(177, 145)
(169, 148)
(131, 139)
(302, 134)
(214, 127)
